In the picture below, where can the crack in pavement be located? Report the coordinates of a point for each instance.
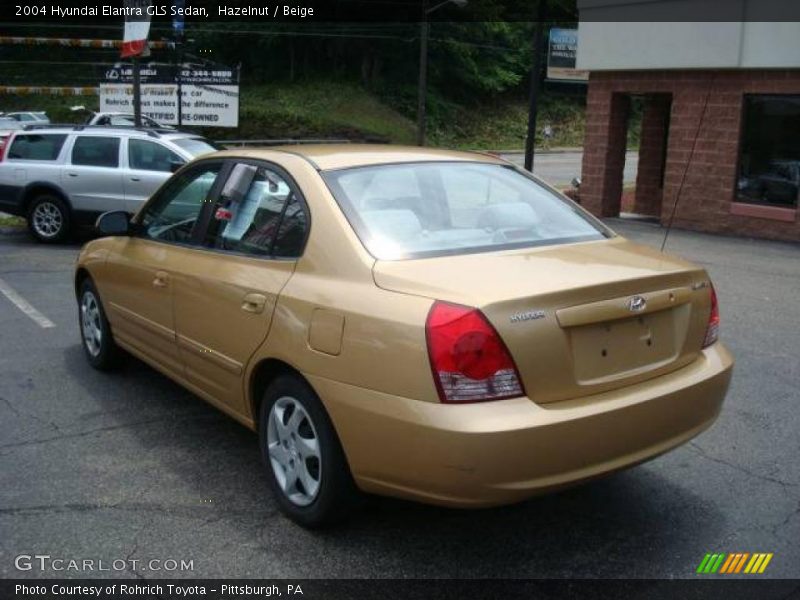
(22, 414)
(703, 454)
(68, 436)
(183, 511)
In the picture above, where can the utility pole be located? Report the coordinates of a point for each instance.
(179, 35)
(179, 90)
(536, 69)
(137, 93)
(422, 87)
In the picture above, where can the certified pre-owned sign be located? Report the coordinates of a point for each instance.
(210, 93)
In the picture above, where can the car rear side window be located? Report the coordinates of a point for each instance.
(39, 146)
(267, 220)
(96, 151)
(150, 156)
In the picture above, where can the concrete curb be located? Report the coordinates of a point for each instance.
(557, 150)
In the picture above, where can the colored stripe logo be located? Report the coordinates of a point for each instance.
(734, 563)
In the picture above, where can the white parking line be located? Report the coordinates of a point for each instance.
(25, 306)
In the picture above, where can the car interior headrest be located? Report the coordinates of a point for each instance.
(516, 215)
(393, 223)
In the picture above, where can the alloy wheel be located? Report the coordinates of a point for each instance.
(294, 451)
(47, 219)
(91, 323)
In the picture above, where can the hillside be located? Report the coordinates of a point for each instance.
(326, 110)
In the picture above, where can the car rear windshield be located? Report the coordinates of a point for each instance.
(417, 210)
(39, 146)
(196, 146)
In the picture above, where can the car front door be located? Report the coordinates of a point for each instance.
(225, 295)
(149, 164)
(140, 291)
(91, 175)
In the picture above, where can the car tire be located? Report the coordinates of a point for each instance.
(312, 489)
(98, 344)
(48, 218)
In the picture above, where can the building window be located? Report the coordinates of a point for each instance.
(769, 168)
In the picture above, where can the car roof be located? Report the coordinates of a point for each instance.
(326, 157)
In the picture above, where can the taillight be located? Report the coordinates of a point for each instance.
(470, 362)
(712, 330)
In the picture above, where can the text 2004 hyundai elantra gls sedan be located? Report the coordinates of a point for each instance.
(431, 325)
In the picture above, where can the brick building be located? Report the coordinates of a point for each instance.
(720, 113)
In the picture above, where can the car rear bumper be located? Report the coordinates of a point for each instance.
(500, 452)
(11, 200)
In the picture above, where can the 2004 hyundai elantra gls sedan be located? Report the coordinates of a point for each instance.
(432, 325)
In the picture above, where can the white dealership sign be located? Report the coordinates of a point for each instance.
(210, 96)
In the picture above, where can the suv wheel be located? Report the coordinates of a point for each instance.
(307, 469)
(48, 218)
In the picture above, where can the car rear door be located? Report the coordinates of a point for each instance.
(225, 295)
(148, 164)
(91, 174)
(139, 291)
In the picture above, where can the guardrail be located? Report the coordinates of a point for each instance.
(283, 142)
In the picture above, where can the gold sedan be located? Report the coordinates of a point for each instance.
(432, 325)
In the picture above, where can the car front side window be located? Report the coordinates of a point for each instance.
(96, 151)
(174, 213)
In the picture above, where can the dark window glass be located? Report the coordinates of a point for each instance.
(37, 146)
(172, 215)
(292, 230)
(769, 169)
(150, 156)
(249, 224)
(96, 151)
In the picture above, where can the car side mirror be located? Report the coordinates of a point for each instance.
(115, 222)
(174, 165)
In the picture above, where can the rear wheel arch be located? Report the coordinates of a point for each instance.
(264, 373)
(34, 190)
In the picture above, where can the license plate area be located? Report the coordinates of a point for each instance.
(623, 348)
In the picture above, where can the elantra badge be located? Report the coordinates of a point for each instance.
(636, 304)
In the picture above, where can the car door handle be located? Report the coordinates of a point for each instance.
(161, 280)
(72, 174)
(254, 303)
(135, 179)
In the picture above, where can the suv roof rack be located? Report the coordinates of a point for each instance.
(151, 131)
(32, 126)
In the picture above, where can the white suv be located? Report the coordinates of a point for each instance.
(64, 177)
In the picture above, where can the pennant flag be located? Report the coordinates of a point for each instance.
(137, 27)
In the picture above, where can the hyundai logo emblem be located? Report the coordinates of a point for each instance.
(636, 304)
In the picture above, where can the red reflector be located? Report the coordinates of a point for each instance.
(469, 360)
(223, 214)
(712, 330)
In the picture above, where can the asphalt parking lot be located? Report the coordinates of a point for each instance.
(129, 465)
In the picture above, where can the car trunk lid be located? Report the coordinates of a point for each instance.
(578, 319)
